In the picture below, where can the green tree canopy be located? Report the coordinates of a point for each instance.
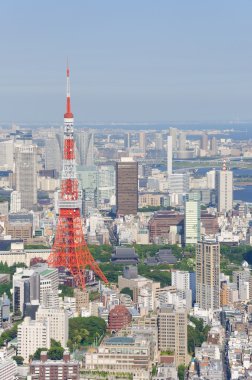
(37, 353)
(127, 291)
(18, 359)
(84, 331)
(55, 353)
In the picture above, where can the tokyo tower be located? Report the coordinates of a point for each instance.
(70, 249)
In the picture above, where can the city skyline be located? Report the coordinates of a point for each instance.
(134, 62)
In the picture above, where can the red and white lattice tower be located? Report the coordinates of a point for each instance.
(70, 249)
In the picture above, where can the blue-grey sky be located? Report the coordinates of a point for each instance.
(130, 61)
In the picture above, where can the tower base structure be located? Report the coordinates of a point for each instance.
(70, 249)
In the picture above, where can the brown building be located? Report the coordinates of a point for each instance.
(162, 224)
(44, 368)
(19, 230)
(224, 294)
(126, 187)
(209, 223)
(118, 318)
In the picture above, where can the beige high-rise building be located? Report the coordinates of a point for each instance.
(82, 299)
(224, 187)
(26, 175)
(58, 323)
(172, 332)
(208, 275)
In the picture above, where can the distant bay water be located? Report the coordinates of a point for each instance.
(245, 194)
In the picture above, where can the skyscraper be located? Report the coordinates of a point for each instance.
(169, 155)
(224, 189)
(106, 183)
(204, 142)
(26, 175)
(182, 141)
(142, 141)
(25, 289)
(6, 154)
(158, 141)
(208, 275)
(85, 147)
(126, 187)
(172, 332)
(53, 157)
(192, 222)
(173, 132)
(214, 146)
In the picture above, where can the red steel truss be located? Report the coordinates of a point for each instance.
(70, 249)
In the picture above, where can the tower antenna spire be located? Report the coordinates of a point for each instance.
(68, 114)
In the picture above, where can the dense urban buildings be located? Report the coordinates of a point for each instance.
(161, 215)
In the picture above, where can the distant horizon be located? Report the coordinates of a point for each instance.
(230, 123)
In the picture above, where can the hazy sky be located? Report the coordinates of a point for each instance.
(130, 60)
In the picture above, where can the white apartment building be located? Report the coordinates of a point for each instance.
(31, 336)
(15, 201)
(180, 279)
(8, 369)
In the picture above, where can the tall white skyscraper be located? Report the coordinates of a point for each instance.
(192, 222)
(169, 155)
(15, 201)
(26, 175)
(224, 188)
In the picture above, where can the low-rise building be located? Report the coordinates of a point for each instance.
(121, 354)
(45, 369)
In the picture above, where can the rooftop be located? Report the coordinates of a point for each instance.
(118, 340)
